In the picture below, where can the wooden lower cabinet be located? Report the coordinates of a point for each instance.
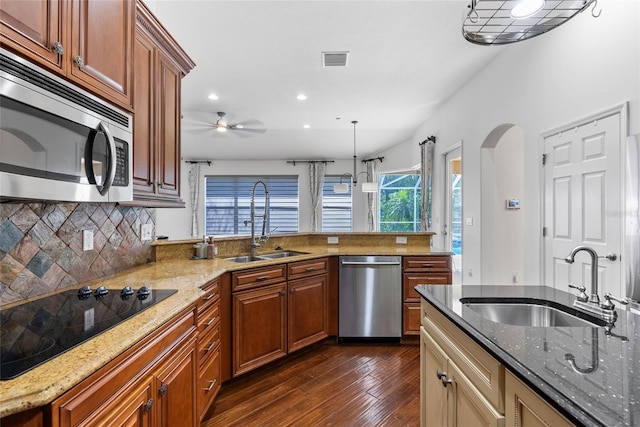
(259, 327)
(133, 408)
(308, 317)
(524, 408)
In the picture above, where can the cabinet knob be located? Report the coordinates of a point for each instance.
(442, 376)
(282, 293)
(163, 389)
(58, 48)
(79, 61)
(148, 405)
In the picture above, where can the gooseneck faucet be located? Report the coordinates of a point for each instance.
(263, 237)
(594, 298)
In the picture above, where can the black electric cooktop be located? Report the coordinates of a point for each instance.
(37, 331)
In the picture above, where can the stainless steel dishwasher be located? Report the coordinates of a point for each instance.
(370, 298)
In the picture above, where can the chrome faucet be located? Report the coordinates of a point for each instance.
(593, 298)
(263, 237)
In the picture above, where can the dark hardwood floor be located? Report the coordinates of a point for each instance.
(329, 385)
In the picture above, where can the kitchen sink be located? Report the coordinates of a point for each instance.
(535, 313)
(264, 257)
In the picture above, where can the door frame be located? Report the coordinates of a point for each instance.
(447, 202)
(621, 109)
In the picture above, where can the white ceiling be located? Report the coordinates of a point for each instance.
(405, 59)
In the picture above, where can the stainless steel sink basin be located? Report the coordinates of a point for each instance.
(283, 254)
(263, 257)
(244, 258)
(530, 313)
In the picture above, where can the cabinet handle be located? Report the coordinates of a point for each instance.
(442, 376)
(208, 297)
(213, 319)
(163, 389)
(282, 293)
(309, 269)
(148, 405)
(212, 384)
(291, 290)
(58, 48)
(213, 344)
(79, 61)
(262, 278)
(427, 265)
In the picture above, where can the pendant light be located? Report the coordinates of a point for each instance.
(367, 187)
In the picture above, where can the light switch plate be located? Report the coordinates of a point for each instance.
(333, 240)
(87, 240)
(469, 221)
(145, 232)
(401, 240)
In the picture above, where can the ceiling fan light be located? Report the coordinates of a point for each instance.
(369, 187)
(526, 8)
(221, 127)
(340, 188)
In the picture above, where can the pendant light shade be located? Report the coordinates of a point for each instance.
(367, 187)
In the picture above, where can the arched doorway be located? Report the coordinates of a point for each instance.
(502, 205)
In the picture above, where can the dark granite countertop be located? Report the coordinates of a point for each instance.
(607, 393)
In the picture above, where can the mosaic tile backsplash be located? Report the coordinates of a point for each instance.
(41, 245)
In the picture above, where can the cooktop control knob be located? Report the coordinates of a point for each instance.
(84, 292)
(126, 292)
(143, 293)
(101, 292)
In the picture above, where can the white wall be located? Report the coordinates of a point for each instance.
(583, 67)
(176, 223)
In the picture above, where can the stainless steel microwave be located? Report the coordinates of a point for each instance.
(57, 141)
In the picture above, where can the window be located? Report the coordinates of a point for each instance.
(400, 202)
(336, 207)
(228, 204)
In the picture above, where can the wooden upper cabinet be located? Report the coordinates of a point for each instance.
(89, 42)
(102, 47)
(160, 65)
(35, 30)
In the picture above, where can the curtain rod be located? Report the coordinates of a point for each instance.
(199, 161)
(429, 139)
(373, 159)
(309, 161)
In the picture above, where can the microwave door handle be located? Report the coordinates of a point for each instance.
(111, 155)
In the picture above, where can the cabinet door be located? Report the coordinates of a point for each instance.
(144, 119)
(259, 327)
(308, 316)
(132, 408)
(467, 406)
(32, 28)
(102, 47)
(168, 162)
(175, 385)
(411, 318)
(433, 396)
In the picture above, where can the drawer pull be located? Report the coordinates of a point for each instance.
(212, 384)
(442, 376)
(427, 265)
(262, 278)
(213, 344)
(309, 269)
(210, 322)
(148, 405)
(208, 297)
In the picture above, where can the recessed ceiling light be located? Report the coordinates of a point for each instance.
(213, 97)
(302, 97)
(526, 8)
(306, 126)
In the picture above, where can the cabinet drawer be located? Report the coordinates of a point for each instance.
(298, 270)
(209, 318)
(208, 383)
(211, 295)
(411, 280)
(482, 369)
(411, 318)
(247, 279)
(208, 342)
(427, 263)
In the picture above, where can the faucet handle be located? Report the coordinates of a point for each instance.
(608, 305)
(582, 295)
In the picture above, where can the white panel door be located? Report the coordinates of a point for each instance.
(583, 203)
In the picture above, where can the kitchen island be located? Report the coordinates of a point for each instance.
(601, 388)
(45, 383)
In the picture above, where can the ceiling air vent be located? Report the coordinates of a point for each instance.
(334, 59)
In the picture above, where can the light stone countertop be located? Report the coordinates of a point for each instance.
(43, 384)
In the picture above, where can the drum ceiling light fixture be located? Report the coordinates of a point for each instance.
(492, 22)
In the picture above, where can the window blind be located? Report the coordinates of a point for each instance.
(336, 207)
(228, 204)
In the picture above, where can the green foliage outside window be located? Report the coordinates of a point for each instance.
(400, 202)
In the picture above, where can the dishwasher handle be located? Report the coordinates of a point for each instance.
(370, 262)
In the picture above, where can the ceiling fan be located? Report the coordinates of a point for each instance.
(222, 125)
